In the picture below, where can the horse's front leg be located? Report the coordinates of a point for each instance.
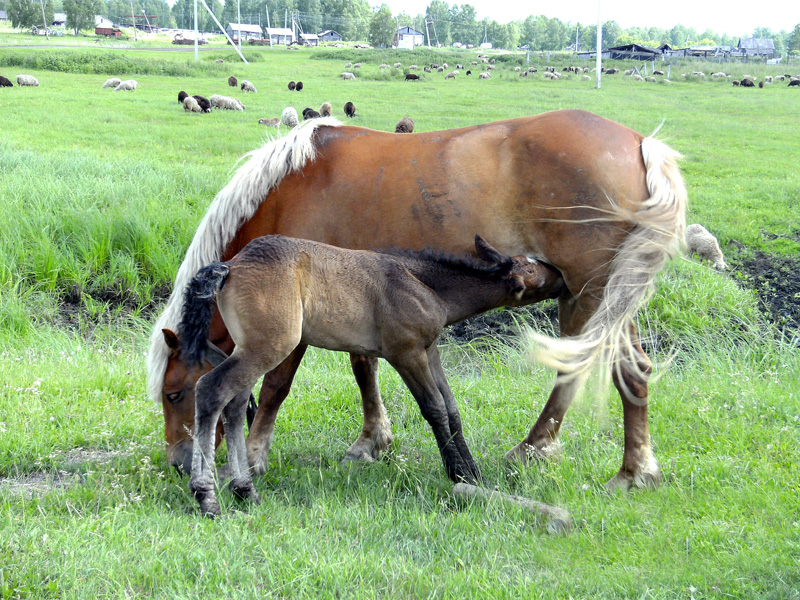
(639, 466)
(233, 416)
(376, 435)
(274, 390)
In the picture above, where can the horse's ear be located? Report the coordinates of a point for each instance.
(486, 252)
(172, 340)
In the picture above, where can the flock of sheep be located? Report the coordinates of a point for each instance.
(22, 80)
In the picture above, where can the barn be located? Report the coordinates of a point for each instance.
(634, 52)
(249, 32)
(329, 35)
(309, 39)
(408, 38)
(756, 47)
(279, 35)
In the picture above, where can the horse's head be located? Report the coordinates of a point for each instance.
(177, 397)
(527, 280)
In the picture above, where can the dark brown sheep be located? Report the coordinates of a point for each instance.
(405, 125)
(412, 77)
(232, 81)
(309, 113)
(292, 84)
(748, 83)
(5, 82)
(204, 103)
(350, 109)
(298, 86)
(181, 96)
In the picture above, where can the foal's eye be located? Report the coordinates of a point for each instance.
(174, 397)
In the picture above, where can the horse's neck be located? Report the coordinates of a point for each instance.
(464, 294)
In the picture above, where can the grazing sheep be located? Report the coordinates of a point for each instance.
(384, 66)
(291, 86)
(289, 117)
(628, 72)
(761, 84)
(219, 60)
(612, 71)
(426, 69)
(469, 72)
(533, 70)
(27, 80)
(356, 65)
(112, 83)
(413, 68)
(398, 65)
(489, 67)
(700, 241)
(5, 82)
(768, 78)
(747, 83)
(350, 109)
(517, 69)
(736, 82)
(298, 86)
(191, 105)
(347, 76)
(474, 63)
(451, 75)
(274, 122)
(232, 81)
(326, 109)
(310, 113)
(247, 86)
(129, 85)
(586, 77)
(794, 83)
(485, 75)
(650, 79)
(181, 96)
(637, 77)
(204, 103)
(404, 125)
(658, 72)
(348, 65)
(226, 102)
(412, 77)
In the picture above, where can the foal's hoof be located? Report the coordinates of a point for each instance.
(525, 452)
(246, 492)
(209, 507)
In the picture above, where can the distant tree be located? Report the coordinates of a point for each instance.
(465, 27)
(611, 31)
(203, 16)
(81, 13)
(22, 13)
(439, 12)
(793, 41)
(382, 27)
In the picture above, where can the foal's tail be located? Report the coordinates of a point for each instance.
(198, 309)
(660, 222)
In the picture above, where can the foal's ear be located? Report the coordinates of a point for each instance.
(487, 253)
(516, 286)
(172, 340)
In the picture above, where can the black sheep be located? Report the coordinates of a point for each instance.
(298, 86)
(309, 113)
(181, 96)
(748, 83)
(412, 77)
(204, 103)
(350, 109)
(794, 82)
(291, 86)
(5, 82)
(232, 81)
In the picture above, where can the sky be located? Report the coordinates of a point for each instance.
(736, 18)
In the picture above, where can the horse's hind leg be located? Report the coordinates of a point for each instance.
(639, 466)
(376, 435)
(274, 391)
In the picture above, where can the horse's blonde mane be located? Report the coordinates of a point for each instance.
(236, 203)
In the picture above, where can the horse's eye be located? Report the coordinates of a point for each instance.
(174, 397)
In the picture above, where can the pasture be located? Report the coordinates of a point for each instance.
(101, 193)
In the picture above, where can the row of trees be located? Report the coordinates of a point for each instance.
(355, 20)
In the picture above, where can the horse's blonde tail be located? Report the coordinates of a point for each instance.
(660, 222)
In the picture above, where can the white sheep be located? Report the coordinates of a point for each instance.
(348, 76)
(27, 80)
(451, 75)
(289, 117)
(246, 86)
(191, 105)
(700, 241)
(326, 109)
(274, 122)
(226, 102)
(112, 83)
(485, 75)
(129, 85)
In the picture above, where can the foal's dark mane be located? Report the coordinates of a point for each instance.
(465, 264)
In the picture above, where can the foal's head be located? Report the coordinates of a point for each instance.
(527, 280)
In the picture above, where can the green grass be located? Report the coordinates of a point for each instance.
(100, 196)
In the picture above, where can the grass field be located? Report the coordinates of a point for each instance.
(101, 193)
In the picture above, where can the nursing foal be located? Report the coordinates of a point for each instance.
(279, 292)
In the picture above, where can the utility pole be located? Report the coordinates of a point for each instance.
(44, 21)
(599, 43)
(133, 16)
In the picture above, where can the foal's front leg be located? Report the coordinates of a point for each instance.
(233, 416)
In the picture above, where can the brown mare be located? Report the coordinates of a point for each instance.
(600, 202)
(280, 292)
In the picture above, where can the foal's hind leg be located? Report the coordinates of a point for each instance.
(376, 434)
(639, 466)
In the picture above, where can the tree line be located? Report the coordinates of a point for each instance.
(442, 23)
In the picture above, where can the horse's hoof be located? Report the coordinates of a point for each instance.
(257, 462)
(357, 455)
(209, 507)
(649, 478)
(525, 452)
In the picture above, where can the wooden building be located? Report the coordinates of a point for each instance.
(329, 35)
(249, 32)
